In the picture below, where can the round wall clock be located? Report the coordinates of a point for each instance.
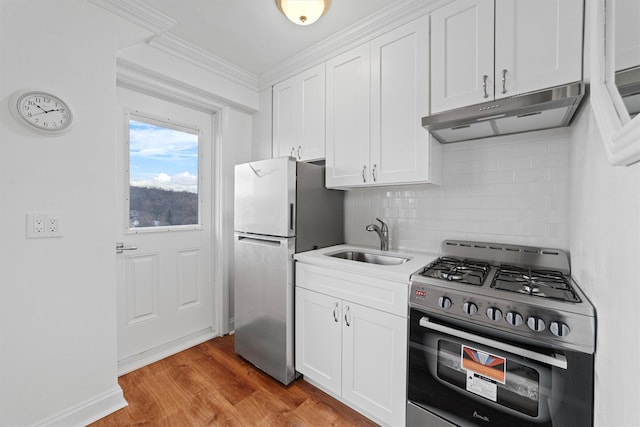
(41, 111)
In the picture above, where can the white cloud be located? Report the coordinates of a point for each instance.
(184, 181)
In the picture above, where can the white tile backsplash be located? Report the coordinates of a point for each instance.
(511, 189)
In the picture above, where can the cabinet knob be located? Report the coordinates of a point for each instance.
(374, 172)
(299, 149)
(364, 173)
(336, 317)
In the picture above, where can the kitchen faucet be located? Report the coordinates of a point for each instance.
(383, 233)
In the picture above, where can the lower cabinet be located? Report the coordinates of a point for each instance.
(355, 352)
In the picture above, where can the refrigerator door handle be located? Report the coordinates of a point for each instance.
(291, 216)
(265, 241)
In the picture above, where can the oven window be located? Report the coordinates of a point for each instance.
(519, 392)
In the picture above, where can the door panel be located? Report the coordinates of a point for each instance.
(188, 262)
(141, 285)
(165, 290)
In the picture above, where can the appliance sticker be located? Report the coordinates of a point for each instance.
(484, 372)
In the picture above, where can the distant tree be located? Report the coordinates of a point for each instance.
(147, 205)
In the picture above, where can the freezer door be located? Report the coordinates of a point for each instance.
(265, 197)
(263, 302)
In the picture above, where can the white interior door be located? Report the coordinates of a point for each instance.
(164, 193)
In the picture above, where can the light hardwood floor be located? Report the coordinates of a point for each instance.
(209, 385)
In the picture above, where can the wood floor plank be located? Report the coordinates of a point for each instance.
(210, 385)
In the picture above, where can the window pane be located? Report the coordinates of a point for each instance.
(163, 176)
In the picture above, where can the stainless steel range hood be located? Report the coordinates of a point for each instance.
(545, 109)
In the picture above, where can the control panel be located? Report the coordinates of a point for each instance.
(525, 320)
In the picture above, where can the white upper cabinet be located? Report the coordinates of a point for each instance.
(461, 54)
(399, 99)
(528, 46)
(299, 116)
(376, 95)
(348, 101)
(538, 45)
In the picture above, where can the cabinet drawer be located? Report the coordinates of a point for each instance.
(385, 295)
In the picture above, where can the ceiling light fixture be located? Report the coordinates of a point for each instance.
(303, 12)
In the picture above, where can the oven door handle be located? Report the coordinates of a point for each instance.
(557, 360)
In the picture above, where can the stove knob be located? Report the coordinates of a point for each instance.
(470, 308)
(494, 314)
(444, 302)
(514, 318)
(536, 324)
(559, 329)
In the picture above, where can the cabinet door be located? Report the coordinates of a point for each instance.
(374, 362)
(312, 111)
(347, 117)
(298, 116)
(318, 338)
(538, 45)
(284, 118)
(462, 54)
(399, 99)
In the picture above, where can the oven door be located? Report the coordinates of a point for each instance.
(470, 379)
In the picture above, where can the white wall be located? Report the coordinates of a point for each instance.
(262, 127)
(511, 189)
(604, 214)
(57, 296)
(235, 149)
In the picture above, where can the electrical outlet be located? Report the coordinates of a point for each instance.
(52, 225)
(40, 225)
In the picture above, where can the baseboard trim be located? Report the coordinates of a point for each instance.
(137, 361)
(88, 411)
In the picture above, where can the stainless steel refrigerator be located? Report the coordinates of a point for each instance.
(281, 208)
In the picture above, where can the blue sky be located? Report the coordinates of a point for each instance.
(163, 157)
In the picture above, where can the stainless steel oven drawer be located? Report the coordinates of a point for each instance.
(416, 416)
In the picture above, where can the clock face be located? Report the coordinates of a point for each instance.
(43, 111)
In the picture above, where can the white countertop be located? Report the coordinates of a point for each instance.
(398, 273)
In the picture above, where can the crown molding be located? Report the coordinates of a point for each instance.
(145, 16)
(138, 13)
(394, 15)
(398, 13)
(133, 76)
(195, 55)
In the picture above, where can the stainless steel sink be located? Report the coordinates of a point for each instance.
(370, 258)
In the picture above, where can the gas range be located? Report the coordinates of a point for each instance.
(523, 292)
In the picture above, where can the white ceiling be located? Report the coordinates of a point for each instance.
(254, 34)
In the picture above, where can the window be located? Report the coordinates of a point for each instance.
(163, 174)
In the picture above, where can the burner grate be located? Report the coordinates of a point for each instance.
(471, 272)
(539, 283)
